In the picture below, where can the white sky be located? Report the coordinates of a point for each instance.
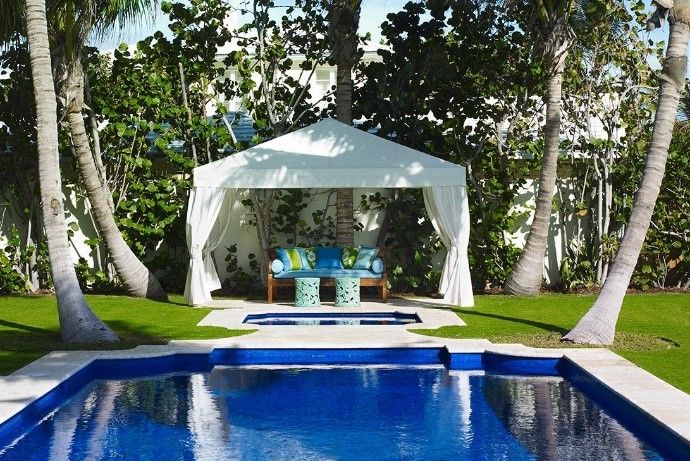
(373, 14)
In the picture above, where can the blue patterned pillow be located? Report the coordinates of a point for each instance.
(329, 258)
(365, 256)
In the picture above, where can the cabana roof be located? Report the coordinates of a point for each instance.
(328, 154)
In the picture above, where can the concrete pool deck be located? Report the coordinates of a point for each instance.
(231, 313)
(656, 398)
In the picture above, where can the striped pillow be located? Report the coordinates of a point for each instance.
(295, 259)
(290, 258)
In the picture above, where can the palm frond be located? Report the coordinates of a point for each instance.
(80, 17)
(11, 19)
(122, 13)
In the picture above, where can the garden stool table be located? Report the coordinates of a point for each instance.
(347, 292)
(307, 292)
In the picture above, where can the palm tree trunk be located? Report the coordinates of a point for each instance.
(136, 278)
(344, 230)
(344, 18)
(96, 139)
(598, 326)
(78, 323)
(343, 91)
(344, 215)
(527, 276)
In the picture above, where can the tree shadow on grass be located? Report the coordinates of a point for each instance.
(21, 326)
(174, 302)
(22, 344)
(532, 323)
(138, 333)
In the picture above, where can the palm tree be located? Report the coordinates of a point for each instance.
(598, 325)
(136, 278)
(78, 323)
(342, 33)
(552, 35)
(74, 23)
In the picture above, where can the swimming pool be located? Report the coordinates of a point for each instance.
(418, 403)
(332, 318)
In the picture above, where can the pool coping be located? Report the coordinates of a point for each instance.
(656, 399)
(430, 316)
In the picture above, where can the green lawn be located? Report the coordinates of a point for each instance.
(29, 325)
(654, 329)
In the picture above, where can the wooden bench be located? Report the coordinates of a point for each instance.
(273, 283)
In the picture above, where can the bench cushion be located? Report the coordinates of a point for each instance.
(328, 273)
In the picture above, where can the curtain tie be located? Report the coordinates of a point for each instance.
(196, 253)
(449, 267)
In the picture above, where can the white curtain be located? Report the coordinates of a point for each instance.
(449, 213)
(231, 210)
(205, 204)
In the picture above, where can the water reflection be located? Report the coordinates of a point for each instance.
(555, 421)
(111, 390)
(321, 413)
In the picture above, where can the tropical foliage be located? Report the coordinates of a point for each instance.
(456, 80)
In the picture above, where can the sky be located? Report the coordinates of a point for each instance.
(373, 14)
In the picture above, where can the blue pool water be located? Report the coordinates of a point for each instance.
(332, 318)
(312, 413)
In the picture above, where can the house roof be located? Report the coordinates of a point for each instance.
(328, 154)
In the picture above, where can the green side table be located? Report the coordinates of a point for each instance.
(307, 292)
(347, 292)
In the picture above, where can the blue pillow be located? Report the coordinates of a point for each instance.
(284, 258)
(377, 266)
(329, 258)
(365, 256)
(277, 266)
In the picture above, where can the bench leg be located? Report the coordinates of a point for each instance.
(269, 291)
(384, 289)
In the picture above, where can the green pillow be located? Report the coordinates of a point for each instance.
(349, 257)
(295, 259)
(311, 257)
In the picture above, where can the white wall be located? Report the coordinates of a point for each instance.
(76, 211)
(558, 233)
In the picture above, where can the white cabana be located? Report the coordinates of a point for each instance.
(324, 155)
